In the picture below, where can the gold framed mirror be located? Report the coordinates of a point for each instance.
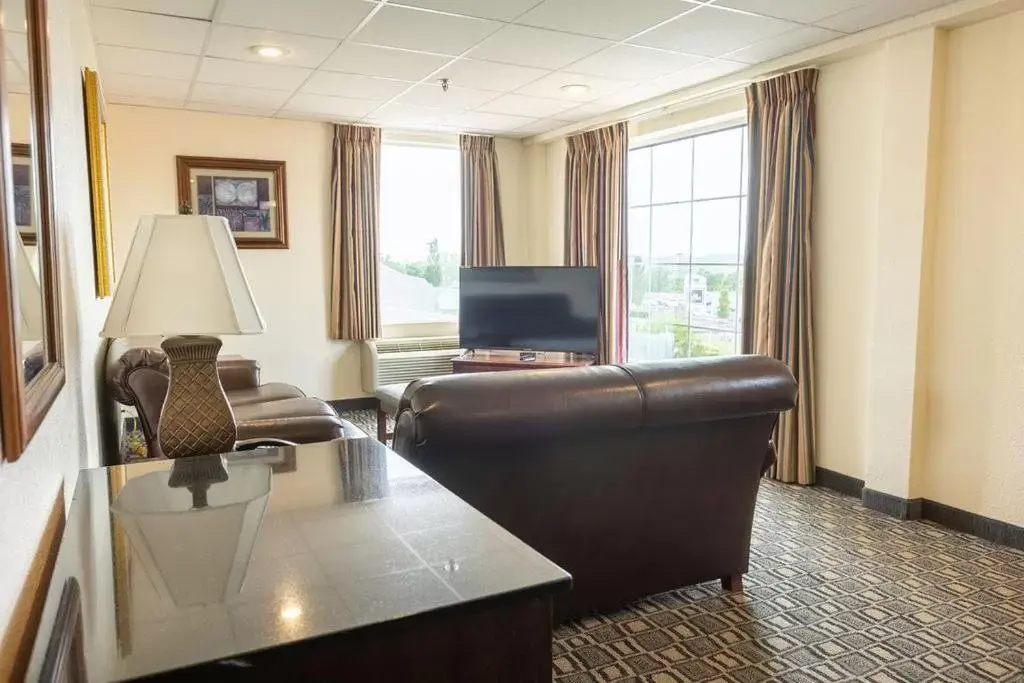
(31, 333)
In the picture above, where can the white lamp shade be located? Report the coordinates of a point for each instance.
(30, 297)
(195, 556)
(182, 276)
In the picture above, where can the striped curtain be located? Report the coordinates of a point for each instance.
(355, 213)
(595, 224)
(777, 322)
(483, 237)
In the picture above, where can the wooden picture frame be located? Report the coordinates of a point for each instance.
(249, 193)
(24, 403)
(99, 183)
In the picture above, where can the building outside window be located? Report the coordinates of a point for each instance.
(686, 235)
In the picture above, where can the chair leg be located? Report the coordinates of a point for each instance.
(733, 583)
(382, 426)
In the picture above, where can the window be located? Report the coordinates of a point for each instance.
(420, 234)
(686, 234)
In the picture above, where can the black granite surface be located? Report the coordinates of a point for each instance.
(292, 544)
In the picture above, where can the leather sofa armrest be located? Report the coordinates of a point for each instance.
(238, 373)
(769, 458)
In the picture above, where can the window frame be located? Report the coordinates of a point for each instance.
(418, 139)
(718, 124)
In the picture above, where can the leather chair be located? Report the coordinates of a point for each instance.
(636, 479)
(270, 413)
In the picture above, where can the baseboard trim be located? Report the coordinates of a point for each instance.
(837, 481)
(349, 404)
(891, 505)
(987, 528)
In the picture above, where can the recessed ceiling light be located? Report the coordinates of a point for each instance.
(270, 51)
(575, 89)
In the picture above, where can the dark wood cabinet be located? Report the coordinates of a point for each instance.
(497, 361)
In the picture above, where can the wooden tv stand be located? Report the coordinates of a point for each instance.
(496, 361)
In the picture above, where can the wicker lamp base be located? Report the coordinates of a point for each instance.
(196, 418)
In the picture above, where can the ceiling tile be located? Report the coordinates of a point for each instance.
(235, 109)
(345, 107)
(410, 115)
(15, 77)
(144, 86)
(148, 31)
(234, 42)
(475, 73)
(612, 19)
(536, 47)
(627, 97)
(458, 98)
(414, 29)
(267, 76)
(786, 44)
(352, 85)
(141, 101)
(876, 13)
(502, 10)
(17, 47)
(540, 126)
(521, 105)
(130, 60)
(15, 17)
(476, 121)
(551, 86)
(328, 18)
(585, 111)
(194, 9)
(711, 31)
(702, 73)
(805, 11)
(234, 95)
(632, 62)
(383, 61)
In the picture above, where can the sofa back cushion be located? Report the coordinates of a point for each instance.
(635, 479)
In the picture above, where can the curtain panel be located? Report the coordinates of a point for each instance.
(355, 214)
(777, 320)
(483, 236)
(595, 225)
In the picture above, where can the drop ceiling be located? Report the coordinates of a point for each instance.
(507, 61)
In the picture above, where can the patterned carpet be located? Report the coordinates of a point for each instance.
(835, 592)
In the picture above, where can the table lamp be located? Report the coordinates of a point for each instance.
(183, 281)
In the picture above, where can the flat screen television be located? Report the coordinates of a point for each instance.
(529, 308)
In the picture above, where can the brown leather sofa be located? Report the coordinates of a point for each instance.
(636, 478)
(138, 377)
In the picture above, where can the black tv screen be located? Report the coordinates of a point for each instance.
(529, 308)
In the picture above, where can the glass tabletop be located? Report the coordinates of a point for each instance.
(202, 559)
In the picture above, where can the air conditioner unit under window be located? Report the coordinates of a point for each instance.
(390, 361)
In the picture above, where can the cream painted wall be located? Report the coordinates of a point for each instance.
(545, 201)
(291, 286)
(845, 223)
(975, 373)
(69, 437)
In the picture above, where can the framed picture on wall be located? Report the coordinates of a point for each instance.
(21, 166)
(99, 183)
(249, 193)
